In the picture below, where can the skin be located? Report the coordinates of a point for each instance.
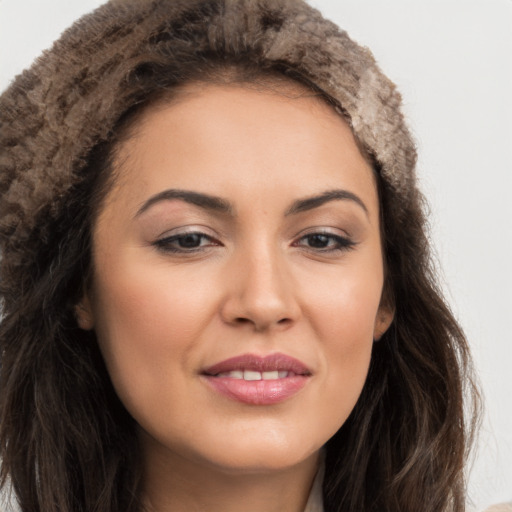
(257, 282)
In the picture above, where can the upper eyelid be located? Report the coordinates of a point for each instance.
(186, 230)
(229, 238)
(325, 230)
(203, 230)
(165, 244)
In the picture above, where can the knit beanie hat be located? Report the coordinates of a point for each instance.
(69, 101)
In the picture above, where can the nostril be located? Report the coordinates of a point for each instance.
(262, 324)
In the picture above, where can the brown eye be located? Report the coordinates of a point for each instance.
(318, 241)
(325, 242)
(185, 242)
(189, 241)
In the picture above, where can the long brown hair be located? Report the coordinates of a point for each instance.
(66, 441)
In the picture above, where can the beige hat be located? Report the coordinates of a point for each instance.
(70, 100)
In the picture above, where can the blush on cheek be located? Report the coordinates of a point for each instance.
(347, 312)
(143, 322)
(345, 318)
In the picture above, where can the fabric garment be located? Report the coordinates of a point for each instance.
(315, 500)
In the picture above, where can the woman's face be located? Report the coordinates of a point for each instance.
(237, 277)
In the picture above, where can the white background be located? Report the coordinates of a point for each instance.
(452, 61)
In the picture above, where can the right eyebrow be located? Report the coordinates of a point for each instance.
(205, 201)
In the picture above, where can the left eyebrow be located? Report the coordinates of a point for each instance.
(308, 203)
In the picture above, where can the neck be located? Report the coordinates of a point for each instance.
(174, 483)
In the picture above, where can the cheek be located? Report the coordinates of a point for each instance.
(343, 304)
(149, 298)
(343, 317)
(147, 320)
(345, 311)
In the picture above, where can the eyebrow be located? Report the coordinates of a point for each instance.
(217, 204)
(309, 203)
(205, 201)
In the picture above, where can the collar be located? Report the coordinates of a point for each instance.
(315, 501)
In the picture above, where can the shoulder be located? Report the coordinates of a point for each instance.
(503, 507)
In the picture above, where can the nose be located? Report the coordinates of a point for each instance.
(261, 292)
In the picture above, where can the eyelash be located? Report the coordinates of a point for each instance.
(166, 244)
(342, 243)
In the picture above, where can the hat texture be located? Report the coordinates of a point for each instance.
(54, 113)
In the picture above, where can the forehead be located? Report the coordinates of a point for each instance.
(240, 140)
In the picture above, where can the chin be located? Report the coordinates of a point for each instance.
(267, 450)
(258, 461)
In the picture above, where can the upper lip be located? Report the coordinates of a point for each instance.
(253, 362)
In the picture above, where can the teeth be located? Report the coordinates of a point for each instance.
(253, 375)
(250, 375)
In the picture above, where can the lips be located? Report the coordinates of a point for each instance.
(257, 380)
(273, 362)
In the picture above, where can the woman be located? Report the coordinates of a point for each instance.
(216, 282)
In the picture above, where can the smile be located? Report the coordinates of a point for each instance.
(252, 375)
(256, 380)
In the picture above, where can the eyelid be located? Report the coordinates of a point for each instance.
(168, 242)
(326, 230)
(188, 229)
(164, 241)
(345, 241)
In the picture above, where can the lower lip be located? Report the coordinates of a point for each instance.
(258, 392)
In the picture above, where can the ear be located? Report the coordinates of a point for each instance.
(383, 320)
(83, 313)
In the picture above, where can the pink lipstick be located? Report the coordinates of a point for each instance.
(258, 380)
